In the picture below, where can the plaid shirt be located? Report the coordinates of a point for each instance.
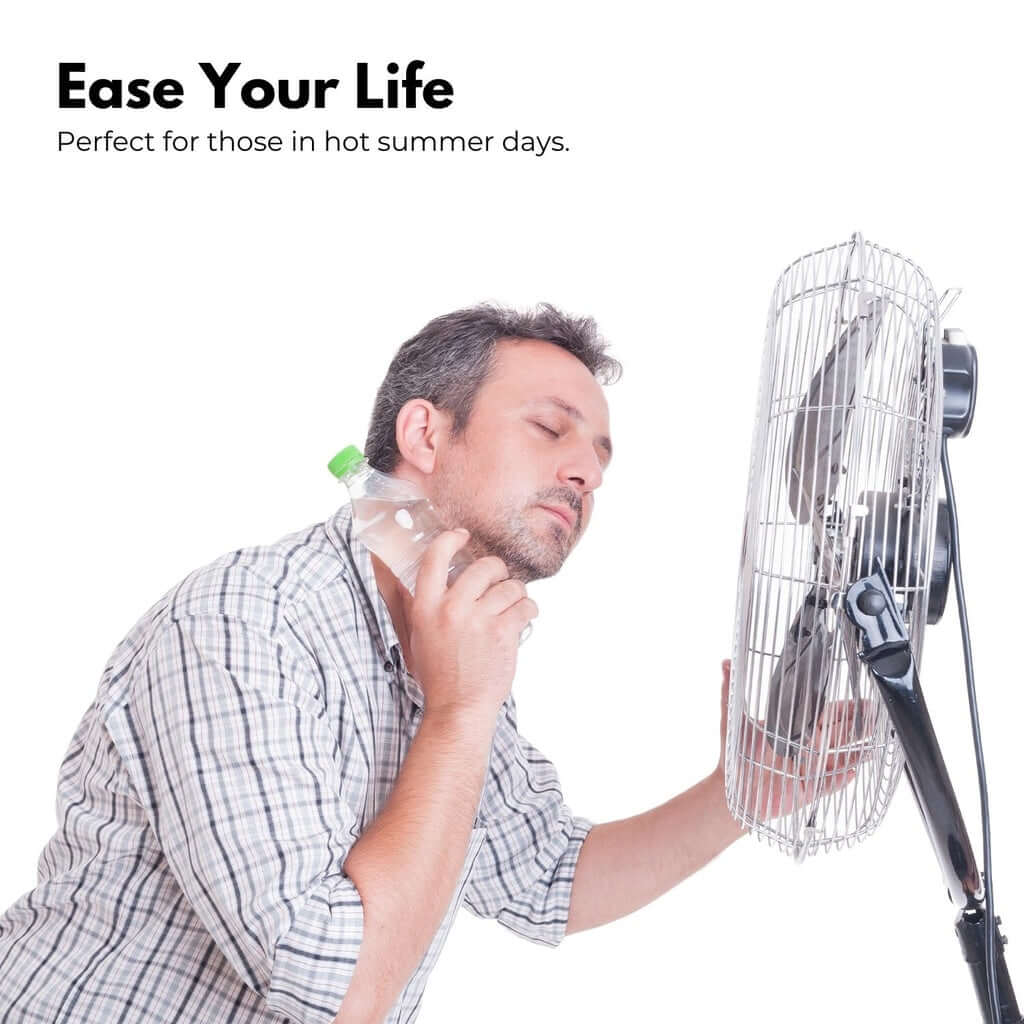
(244, 734)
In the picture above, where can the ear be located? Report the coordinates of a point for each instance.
(421, 429)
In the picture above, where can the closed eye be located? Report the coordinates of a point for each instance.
(547, 430)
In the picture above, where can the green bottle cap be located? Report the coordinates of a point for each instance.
(345, 461)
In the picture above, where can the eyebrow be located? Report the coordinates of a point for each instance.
(603, 440)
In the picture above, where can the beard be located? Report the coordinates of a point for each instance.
(529, 553)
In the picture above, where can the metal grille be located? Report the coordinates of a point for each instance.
(843, 470)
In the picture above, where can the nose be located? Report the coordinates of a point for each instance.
(581, 469)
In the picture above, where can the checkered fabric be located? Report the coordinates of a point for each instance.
(244, 734)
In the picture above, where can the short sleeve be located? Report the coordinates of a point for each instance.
(524, 874)
(240, 774)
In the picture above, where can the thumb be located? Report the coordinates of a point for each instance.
(726, 675)
(432, 578)
(723, 727)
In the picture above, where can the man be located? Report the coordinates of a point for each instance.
(294, 772)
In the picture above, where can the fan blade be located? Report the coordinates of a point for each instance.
(800, 676)
(816, 445)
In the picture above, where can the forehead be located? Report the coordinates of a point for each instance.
(528, 371)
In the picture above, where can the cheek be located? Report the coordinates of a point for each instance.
(588, 511)
(484, 496)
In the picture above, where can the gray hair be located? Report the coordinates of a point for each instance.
(450, 358)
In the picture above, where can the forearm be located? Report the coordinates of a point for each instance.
(406, 864)
(623, 865)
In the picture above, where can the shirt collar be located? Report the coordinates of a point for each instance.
(375, 610)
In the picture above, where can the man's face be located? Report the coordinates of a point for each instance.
(522, 476)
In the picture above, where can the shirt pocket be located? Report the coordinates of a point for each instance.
(410, 998)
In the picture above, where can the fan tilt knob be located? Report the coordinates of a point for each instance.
(871, 602)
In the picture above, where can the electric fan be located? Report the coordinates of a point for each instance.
(848, 552)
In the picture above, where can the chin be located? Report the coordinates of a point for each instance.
(531, 550)
(549, 562)
(538, 562)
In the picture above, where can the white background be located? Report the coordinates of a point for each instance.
(188, 339)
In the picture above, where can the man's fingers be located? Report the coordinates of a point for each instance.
(841, 760)
(837, 779)
(502, 595)
(479, 578)
(521, 612)
(841, 723)
(432, 578)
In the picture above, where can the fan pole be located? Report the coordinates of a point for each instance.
(886, 651)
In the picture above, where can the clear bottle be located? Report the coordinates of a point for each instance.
(392, 518)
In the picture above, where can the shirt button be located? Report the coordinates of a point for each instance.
(389, 666)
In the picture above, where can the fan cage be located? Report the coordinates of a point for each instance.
(880, 424)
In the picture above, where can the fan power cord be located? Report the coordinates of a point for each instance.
(979, 756)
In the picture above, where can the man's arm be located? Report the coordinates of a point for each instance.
(406, 864)
(626, 864)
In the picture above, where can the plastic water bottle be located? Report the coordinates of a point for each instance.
(394, 520)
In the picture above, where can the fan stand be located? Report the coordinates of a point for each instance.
(887, 654)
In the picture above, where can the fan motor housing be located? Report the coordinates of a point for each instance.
(886, 534)
(959, 383)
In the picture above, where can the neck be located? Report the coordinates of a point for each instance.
(399, 603)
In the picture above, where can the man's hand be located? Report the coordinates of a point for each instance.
(625, 864)
(465, 638)
(796, 782)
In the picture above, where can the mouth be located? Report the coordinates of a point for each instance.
(564, 515)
